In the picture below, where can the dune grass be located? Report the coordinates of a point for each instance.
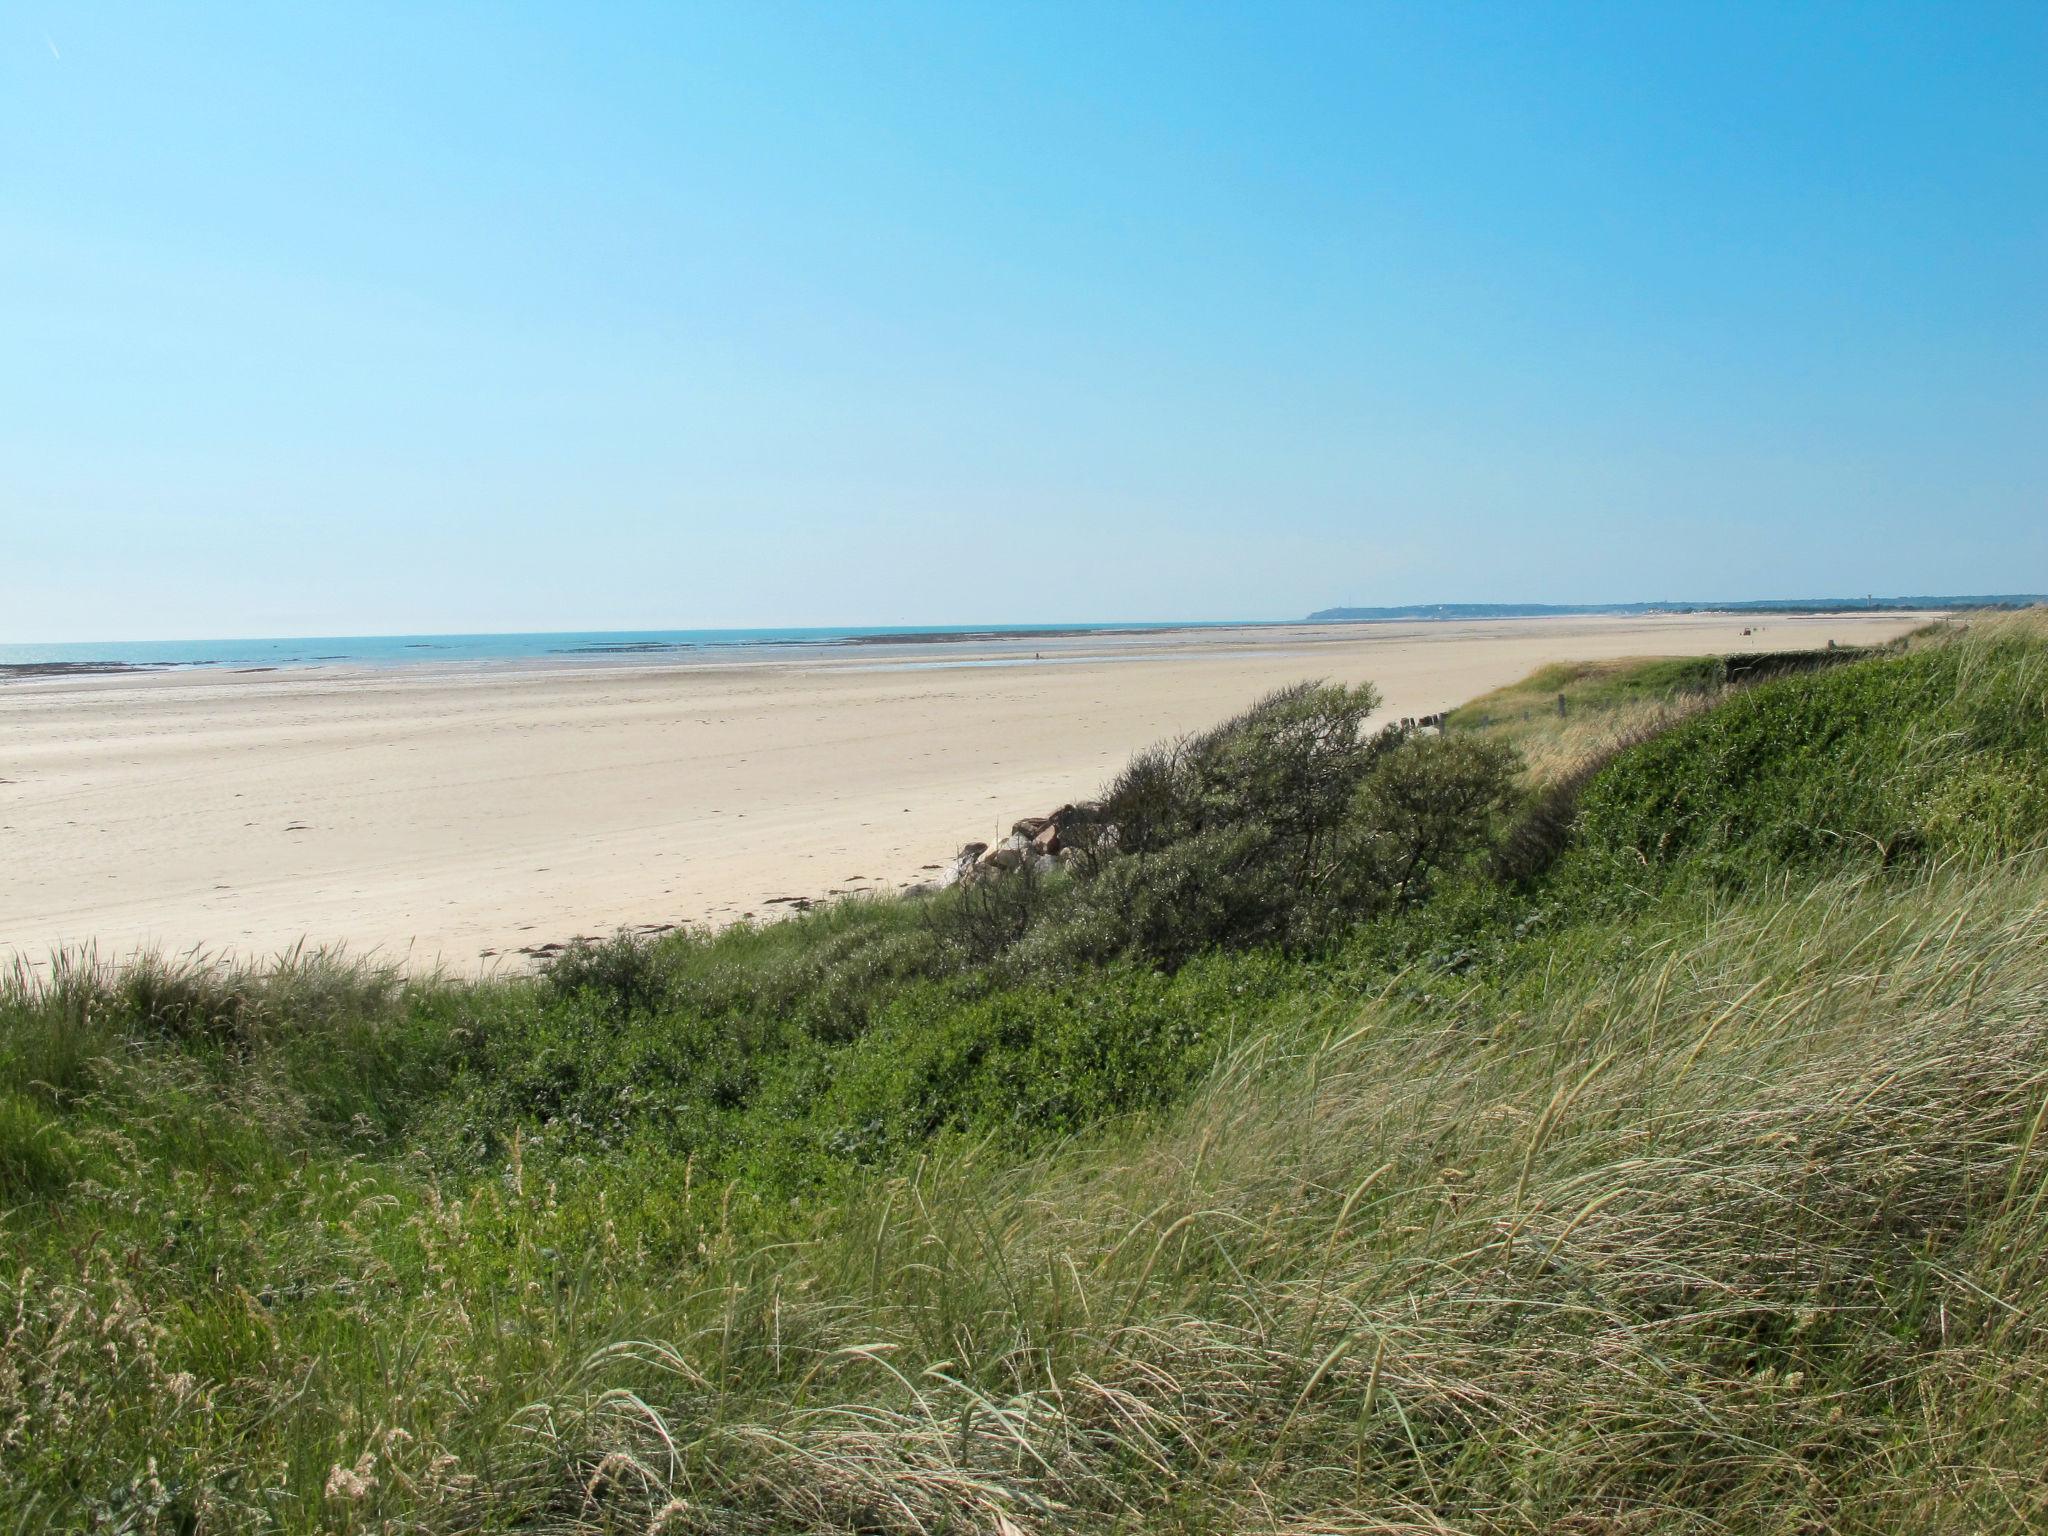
(1562, 715)
(1690, 1179)
(1738, 1227)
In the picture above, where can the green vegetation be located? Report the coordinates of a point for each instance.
(1286, 826)
(1597, 686)
(1941, 751)
(1360, 1143)
(1563, 716)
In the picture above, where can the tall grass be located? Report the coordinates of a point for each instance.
(1731, 1219)
(1569, 713)
(1735, 1224)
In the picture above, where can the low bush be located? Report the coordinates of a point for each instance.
(1284, 826)
(1428, 805)
(1289, 765)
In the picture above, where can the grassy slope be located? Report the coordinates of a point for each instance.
(1704, 1201)
(1605, 702)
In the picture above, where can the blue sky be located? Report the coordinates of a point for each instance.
(349, 319)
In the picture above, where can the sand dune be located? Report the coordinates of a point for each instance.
(456, 817)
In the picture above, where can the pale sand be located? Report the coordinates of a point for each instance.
(437, 816)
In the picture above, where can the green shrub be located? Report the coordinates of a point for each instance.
(1234, 886)
(1283, 826)
(1288, 765)
(624, 972)
(1430, 804)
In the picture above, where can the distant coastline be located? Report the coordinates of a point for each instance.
(22, 662)
(1822, 605)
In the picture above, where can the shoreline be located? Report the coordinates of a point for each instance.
(451, 815)
(29, 663)
(382, 653)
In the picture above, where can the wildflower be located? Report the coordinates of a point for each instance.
(356, 1483)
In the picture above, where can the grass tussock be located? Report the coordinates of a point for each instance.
(1565, 715)
(1655, 1147)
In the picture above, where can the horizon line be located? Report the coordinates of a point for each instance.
(1335, 613)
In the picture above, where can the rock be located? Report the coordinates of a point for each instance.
(1082, 824)
(1040, 844)
(963, 861)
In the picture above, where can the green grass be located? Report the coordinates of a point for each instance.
(1605, 703)
(1594, 685)
(1943, 750)
(1692, 1181)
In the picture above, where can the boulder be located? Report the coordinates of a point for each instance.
(963, 861)
(1039, 843)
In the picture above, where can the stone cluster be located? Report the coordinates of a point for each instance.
(1040, 844)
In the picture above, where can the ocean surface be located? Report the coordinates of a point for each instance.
(607, 647)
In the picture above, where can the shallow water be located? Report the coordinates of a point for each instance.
(574, 646)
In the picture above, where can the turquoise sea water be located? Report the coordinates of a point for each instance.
(566, 648)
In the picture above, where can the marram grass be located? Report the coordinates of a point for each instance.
(1739, 1228)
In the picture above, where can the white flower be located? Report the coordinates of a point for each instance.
(355, 1483)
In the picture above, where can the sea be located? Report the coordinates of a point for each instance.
(993, 645)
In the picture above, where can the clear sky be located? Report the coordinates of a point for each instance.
(370, 318)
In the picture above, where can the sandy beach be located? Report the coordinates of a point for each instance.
(457, 817)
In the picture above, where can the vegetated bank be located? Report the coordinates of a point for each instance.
(1371, 1140)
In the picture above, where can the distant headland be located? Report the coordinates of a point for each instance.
(1758, 605)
